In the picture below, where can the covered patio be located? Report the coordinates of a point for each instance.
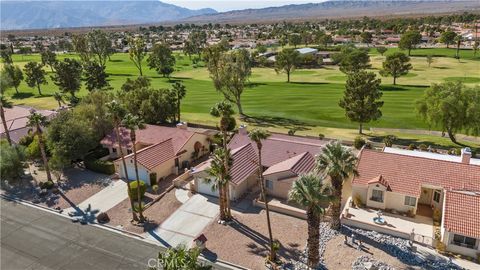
(396, 225)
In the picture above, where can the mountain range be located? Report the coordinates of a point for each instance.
(17, 15)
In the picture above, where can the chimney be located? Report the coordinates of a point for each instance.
(242, 130)
(182, 125)
(466, 155)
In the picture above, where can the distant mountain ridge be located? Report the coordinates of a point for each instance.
(63, 14)
(339, 8)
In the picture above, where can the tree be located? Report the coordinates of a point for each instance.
(309, 191)
(179, 91)
(35, 75)
(15, 74)
(448, 37)
(49, 58)
(366, 37)
(351, 60)
(162, 60)
(430, 60)
(58, 98)
(409, 40)
(5, 103)
(37, 121)
(225, 112)
(324, 40)
(137, 52)
(452, 107)
(257, 135)
(261, 49)
(95, 76)
(338, 163)
(361, 98)
(134, 123)
(6, 55)
(138, 83)
(117, 112)
(286, 61)
(180, 258)
(80, 45)
(458, 40)
(68, 76)
(11, 161)
(195, 43)
(396, 65)
(220, 178)
(231, 74)
(476, 44)
(381, 50)
(294, 39)
(100, 46)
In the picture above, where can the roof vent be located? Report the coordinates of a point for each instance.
(466, 155)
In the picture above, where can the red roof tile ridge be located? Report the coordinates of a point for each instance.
(294, 141)
(186, 141)
(146, 148)
(295, 159)
(238, 149)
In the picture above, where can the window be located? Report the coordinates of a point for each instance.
(114, 150)
(436, 196)
(269, 184)
(464, 241)
(377, 195)
(129, 151)
(411, 201)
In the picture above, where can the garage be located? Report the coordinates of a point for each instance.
(206, 188)
(142, 173)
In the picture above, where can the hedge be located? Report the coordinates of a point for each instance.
(100, 166)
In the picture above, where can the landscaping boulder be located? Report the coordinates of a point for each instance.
(103, 218)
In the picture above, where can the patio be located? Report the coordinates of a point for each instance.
(396, 225)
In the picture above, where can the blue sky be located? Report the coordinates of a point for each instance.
(226, 5)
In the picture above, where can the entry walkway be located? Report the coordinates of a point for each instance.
(187, 222)
(102, 201)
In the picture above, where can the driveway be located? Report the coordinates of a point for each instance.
(105, 199)
(187, 222)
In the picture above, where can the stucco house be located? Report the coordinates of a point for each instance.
(283, 159)
(161, 151)
(422, 183)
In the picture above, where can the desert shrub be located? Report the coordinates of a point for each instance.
(437, 215)
(46, 185)
(440, 247)
(133, 190)
(389, 140)
(321, 136)
(155, 188)
(100, 166)
(359, 142)
(153, 179)
(423, 147)
(357, 201)
(103, 218)
(455, 151)
(412, 146)
(292, 131)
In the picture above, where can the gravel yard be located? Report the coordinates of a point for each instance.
(120, 215)
(245, 241)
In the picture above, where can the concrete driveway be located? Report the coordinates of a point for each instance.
(187, 222)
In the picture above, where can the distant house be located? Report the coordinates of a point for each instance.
(422, 183)
(161, 151)
(306, 51)
(283, 159)
(17, 119)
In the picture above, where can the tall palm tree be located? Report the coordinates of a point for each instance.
(116, 113)
(309, 191)
(257, 135)
(5, 103)
(133, 122)
(36, 121)
(338, 163)
(220, 176)
(225, 111)
(58, 98)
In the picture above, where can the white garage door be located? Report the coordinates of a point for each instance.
(205, 188)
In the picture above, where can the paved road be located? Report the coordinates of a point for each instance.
(35, 239)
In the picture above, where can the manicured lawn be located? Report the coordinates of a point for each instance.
(309, 102)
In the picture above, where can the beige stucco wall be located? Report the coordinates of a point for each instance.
(391, 200)
(397, 201)
(190, 147)
(236, 191)
(375, 204)
(360, 191)
(447, 240)
(164, 169)
(281, 184)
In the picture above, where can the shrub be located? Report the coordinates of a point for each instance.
(103, 217)
(292, 131)
(412, 146)
(389, 140)
(46, 185)
(100, 166)
(321, 136)
(153, 179)
(155, 188)
(133, 190)
(357, 201)
(441, 247)
(359, 142)
(437, 215)
(423, 147)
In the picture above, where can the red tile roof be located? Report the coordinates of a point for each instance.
(279, 147)
(299, 164)
(245, 162)
(406, 174)
(152, 134)
(462, 213)
(154, 155)
(17, 117)
(380, 180)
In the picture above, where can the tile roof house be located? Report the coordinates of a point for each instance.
(17, 119)
(405, 181)
(284, 158)
(161, 150)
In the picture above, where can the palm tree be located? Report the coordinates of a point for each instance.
(220, 176)
(257, 135)
(116, 113)
(5, 103)
(225, 111)
(310, 192)
(180, 91)
(36, 121)
(339, 163)
(59, 98)
(133, 123)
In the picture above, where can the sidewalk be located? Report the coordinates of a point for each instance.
(429, 252)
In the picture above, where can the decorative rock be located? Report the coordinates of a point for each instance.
(369, 263)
